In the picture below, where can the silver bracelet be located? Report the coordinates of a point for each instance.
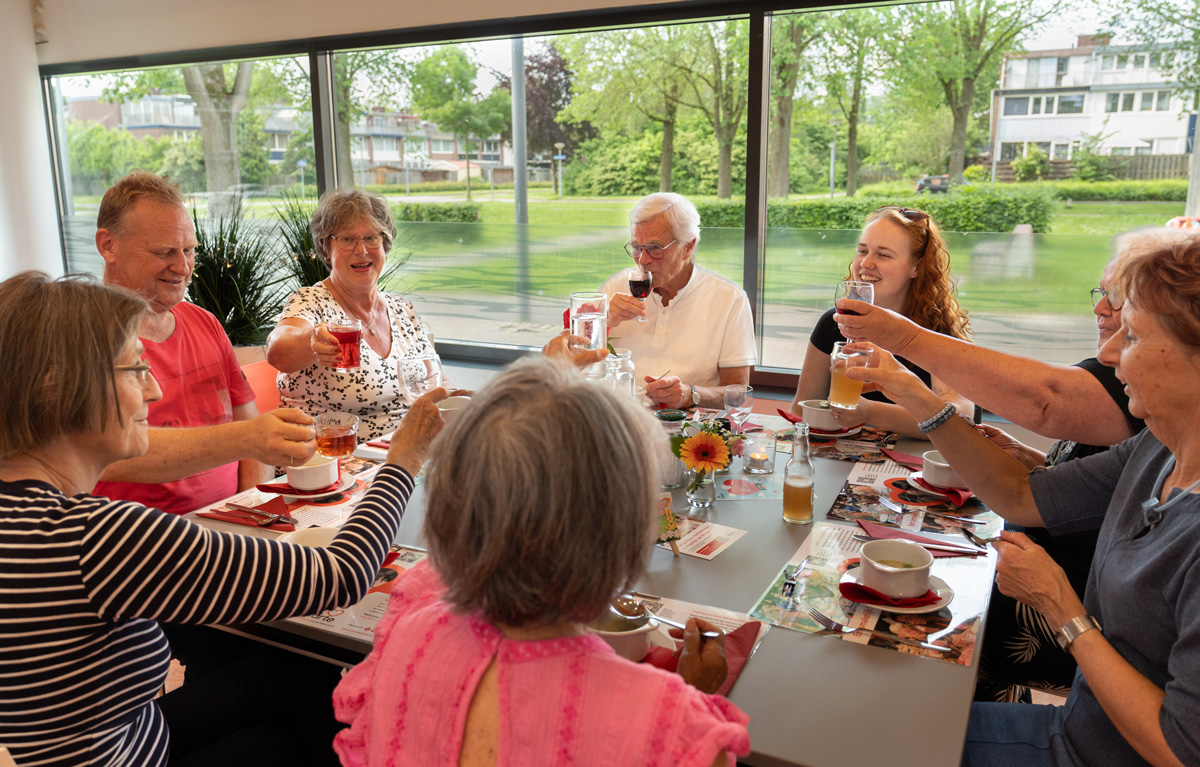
(942, 416)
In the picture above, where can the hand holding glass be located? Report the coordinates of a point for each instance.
(337, 434)
(348, 333)
(589, 318)
(856, 291)
(419, 374)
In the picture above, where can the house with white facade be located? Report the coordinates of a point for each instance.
(1056, 99)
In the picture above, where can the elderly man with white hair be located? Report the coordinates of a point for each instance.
(698, 325)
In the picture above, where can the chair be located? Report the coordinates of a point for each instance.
(261, 377)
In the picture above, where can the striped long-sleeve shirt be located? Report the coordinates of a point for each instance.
(85, 580)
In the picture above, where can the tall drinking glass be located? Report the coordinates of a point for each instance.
(337, 434)
(348, 333)
(843, 391)
(589, 318)
(855, 290)
(640, 281)
(739, 400)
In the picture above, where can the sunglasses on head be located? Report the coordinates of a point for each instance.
(914, 216)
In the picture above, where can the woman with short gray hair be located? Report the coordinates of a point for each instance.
(353, 232)
(540, 506)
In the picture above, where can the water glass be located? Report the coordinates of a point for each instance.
(589, 318)
(759, 455)
(419, 373)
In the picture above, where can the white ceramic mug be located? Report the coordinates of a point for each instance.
(632, 645)
(817, 416)
(938, 472)
(877, 568)
(450, 406)
(319, 472)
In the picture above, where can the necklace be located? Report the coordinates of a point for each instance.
(1152, 510)
(368, 323)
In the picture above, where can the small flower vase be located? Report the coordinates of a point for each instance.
(701, 489)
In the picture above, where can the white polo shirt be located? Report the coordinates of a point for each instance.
(706, 326)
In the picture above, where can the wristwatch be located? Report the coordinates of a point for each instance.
(1074, 627)
(695, 396)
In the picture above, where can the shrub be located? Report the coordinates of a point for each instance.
(977, 174)
(453, 212)
(888, 189)
(1032, 166)
(984, 208)
(1158, 190)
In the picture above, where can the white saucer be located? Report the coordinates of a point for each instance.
(836, 435)
(938, 585)
(936, 489)
(346, 484)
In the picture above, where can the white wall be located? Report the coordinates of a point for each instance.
(29, 235)
(81, 30)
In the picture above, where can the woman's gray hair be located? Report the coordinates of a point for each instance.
(540, 497)
(340, 208)
(1159, 273)
(682, 218)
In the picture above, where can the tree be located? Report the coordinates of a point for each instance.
(443, 92)
(955, 44)
(547, 95)
(791, 37)
(715, 70)
(625, 80)
(254, 156)
(1171, 29)
(851, 62)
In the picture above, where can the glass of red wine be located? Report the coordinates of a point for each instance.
(640, 281)
(856, 291)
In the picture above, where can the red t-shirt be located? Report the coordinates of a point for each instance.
(201, 383)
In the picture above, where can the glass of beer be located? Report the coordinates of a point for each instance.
(844, 392)
(337, 434)
(798, 478)
(348, 333)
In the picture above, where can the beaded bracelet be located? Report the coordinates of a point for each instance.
(942, 416)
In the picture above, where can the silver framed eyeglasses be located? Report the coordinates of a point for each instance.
(370, 242)
(142, 369)
(1115, 299)
(654, 251)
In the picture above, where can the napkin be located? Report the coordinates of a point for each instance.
(819, 432)
(789, 417)
(383, 443)
(882, 531)
(738, 645)
(905, 459)
(856, 592)
(956, 495)
(275, 505)
(284, 488)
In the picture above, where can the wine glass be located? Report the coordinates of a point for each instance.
(419, 373)
(739, 399)
(640, 281)
(854, 290)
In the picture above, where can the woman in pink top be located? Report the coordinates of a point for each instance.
(539, 508)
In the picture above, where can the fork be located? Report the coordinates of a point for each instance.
(978, 541)
(888, 503)
(266, 517)
(832, 625)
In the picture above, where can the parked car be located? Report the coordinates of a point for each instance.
(933, 184)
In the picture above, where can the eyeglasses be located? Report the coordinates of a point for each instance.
(913, 216)
(370, 242)
(654, 251)
(141, 368)
(1115, 299)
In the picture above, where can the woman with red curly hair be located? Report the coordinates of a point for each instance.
(900, 252)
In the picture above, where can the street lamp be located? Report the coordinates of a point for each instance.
(833, 123)
(559, 157)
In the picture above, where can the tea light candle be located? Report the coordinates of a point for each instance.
(759, 457)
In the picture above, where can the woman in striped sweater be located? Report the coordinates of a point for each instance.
(85, 580)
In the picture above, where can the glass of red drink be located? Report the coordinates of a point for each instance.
(640, 281)
(337, 434)
(348, 333)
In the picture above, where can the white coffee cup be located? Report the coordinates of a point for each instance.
(817, 416)
(897, 568)
(938, 472)
(632, 645)
(319, 472)
(450, 406)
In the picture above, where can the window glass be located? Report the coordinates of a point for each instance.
(1070, 104)
(111, 123)
(1049, 105)
(1121, 151)
(1139, 60)
(1122, 61)
(1037, 105)
(1164, 101)
(1127, 102)
(1143, 150)
(1016, 105)
(1108, 62)
(1060, 151)
(1147, 102)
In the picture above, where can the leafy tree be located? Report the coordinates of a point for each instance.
(791, 37)
(1089, 163)
(547, 95)
(958, 44)
(183, 161)
(851, 62)
(626, 80)
(714, 65)
(443, 92)
(254, 156)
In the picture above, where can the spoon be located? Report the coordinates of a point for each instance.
(931, 546)
(635, 609)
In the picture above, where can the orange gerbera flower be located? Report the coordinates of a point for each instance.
(704, 452)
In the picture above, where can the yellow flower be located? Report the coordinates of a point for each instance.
(704, 452)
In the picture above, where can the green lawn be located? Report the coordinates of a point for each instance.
(1109, 218)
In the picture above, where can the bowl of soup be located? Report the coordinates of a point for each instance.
(899, 569)
(629, 638)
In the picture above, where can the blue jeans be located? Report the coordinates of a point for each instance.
(1006, 734)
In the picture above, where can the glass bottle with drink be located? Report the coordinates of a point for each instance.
(799, 477)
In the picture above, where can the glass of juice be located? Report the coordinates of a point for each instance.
(640, 281)
(844, 392)
(348, 333)
(337, 434)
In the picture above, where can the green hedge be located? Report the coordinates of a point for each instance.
(1159, 190)
(427, 187)
(455, 212)
(984, 208)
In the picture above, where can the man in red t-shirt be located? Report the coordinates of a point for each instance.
(213, 442)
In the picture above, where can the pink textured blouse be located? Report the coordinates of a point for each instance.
(568, 701)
